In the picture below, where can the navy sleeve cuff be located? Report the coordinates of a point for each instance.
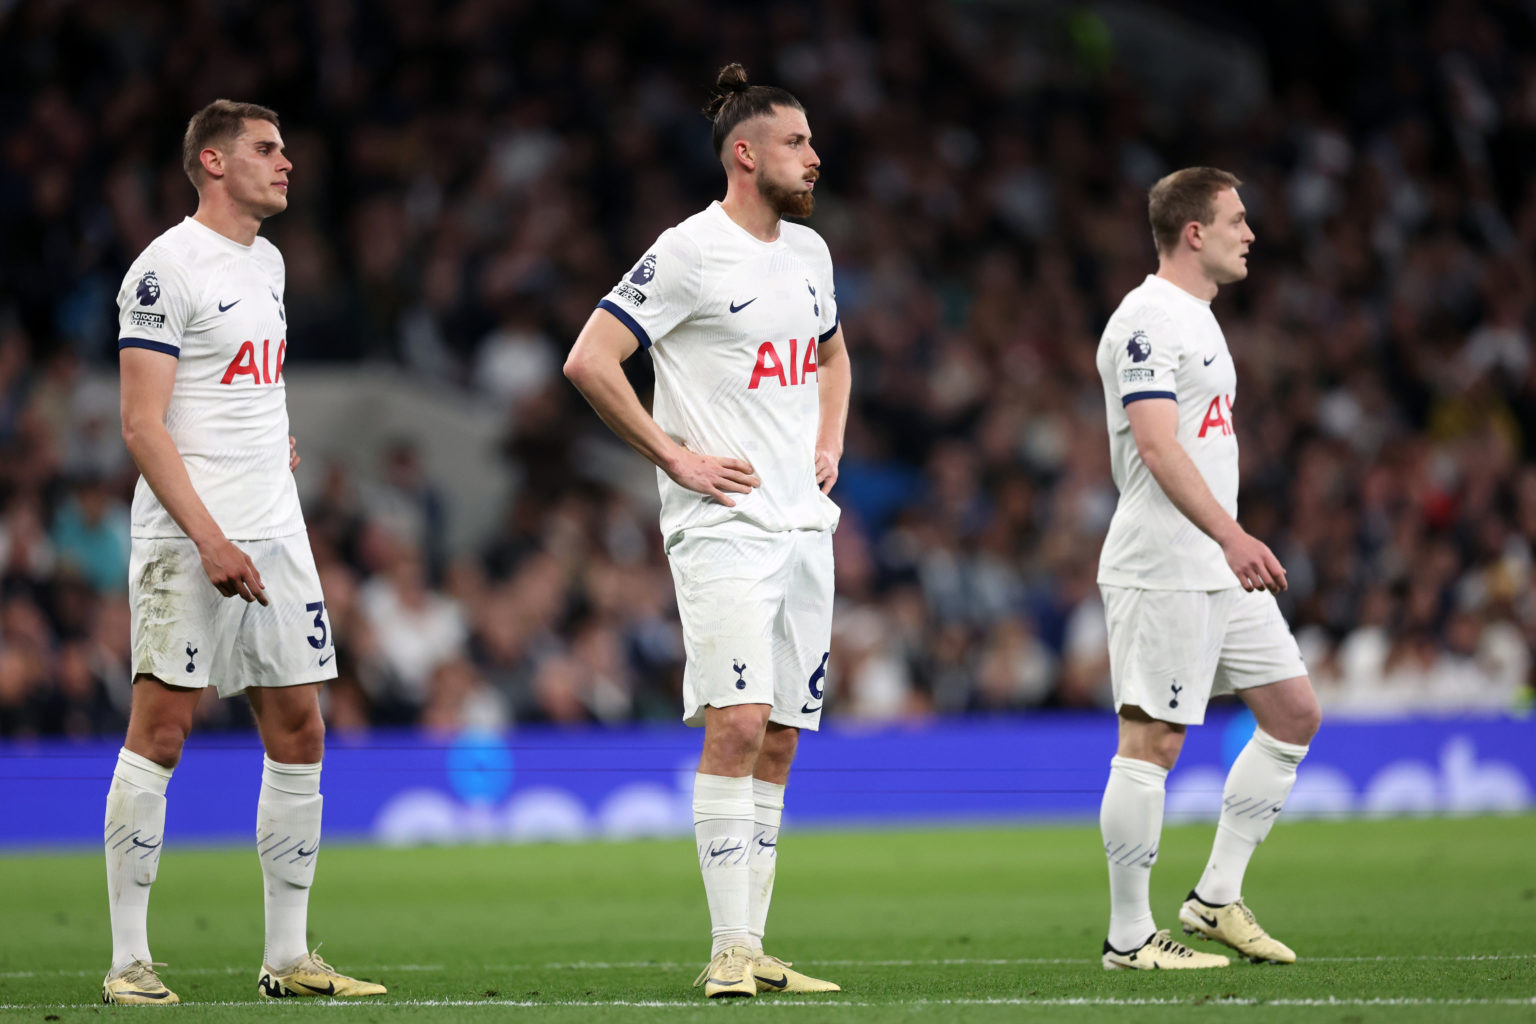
(628, 321)
(831, 330)
(1137, 396)
(153, 346)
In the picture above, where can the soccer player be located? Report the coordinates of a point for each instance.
(1188, 594)
(737, 309)
(202, 340)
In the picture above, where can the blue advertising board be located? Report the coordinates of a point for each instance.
(546, 784)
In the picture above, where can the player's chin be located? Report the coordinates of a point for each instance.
(800, 206)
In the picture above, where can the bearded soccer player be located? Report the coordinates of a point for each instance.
(1188, 593)
(737, 310)
(222, 584)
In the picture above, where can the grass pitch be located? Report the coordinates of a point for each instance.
(1415, 920)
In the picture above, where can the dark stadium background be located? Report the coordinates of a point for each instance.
(471, 177)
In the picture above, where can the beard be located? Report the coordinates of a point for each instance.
(787, 202)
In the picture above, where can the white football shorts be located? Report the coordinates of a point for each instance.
(185, 633)
(1171, 651)
(756, 609)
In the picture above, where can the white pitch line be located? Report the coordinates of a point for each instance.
(376, 1004)
(247, 969)
(602, 965)
(664, 965)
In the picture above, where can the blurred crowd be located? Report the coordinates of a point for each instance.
(471, 177)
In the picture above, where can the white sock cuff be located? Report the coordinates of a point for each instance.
(298, 779)
(721, 796)
(1286, 753)
(768, 800)
(1140, 773)
(140, 771)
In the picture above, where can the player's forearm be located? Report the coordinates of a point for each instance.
(608, 391)
(1180, 479)
(155, 454)
(834, 383)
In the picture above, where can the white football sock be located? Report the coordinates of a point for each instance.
(768, 804)
(722, 827)
(135, 830)
(288, 842)
(1260, 780)
(1131, 822)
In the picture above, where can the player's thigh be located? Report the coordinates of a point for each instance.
(730, 585)
(288, 641)
(182, 630)
(1257, 647)
(802, 641)
(1163, 647)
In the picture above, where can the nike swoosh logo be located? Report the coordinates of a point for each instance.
(147, 846)
(225, 309)
(806, 709)
(723, 851)
(737, 309)
(301, 853)
(1209, 361)
(775, 982)
(329, 990)
(147, 995)
(719, 981)
(327, 658)
(765, 844)
(1211, 921)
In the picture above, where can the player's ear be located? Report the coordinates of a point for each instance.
(1194, 235)
(212, 161)
(742, 149)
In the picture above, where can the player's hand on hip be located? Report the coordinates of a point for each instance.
(826, 469)
(714, 476)
(232, 572)
(1254, 565)
(293, 454)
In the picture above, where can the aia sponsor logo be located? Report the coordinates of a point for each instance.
(268, 371)
(1218, 417)
(773, 367)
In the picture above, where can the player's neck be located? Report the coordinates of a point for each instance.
(1186, 274)
(747, 207)
(218, 213)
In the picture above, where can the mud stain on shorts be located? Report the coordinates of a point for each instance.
(158, 611)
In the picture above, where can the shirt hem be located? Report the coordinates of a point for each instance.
(1137, 583)
(160, 533)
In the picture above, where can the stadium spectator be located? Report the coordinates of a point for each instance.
(984, 202)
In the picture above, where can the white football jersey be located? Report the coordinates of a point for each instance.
(1164, 342)
(217, 306)
(733, 326)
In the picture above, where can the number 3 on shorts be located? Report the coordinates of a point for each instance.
(318, 607)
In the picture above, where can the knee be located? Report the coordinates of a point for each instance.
(1303, 724)
(309, 740)
(741, 736)
(778, 753)
(1165, 748)
(1313, 721)
(303, 742)
(164, 740)
(1149, 740)
(734, 737)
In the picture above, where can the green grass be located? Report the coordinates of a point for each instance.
(916, 926)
